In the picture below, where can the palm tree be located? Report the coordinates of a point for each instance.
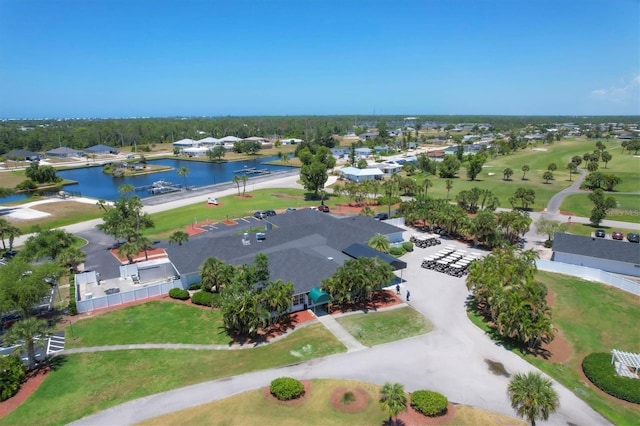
(426, 185)
(573, 168)
(236, 180)
(525, 169)
(183, 171)
(506, 173)
(179, 237)
(379, 242)
(73, 257)
(547, 176)
(449, 186)
(25, 333)
(393, 399)
(244, 180)
(532, 396)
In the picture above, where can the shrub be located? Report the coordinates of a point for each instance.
(178, 293)
(73, 308)
(12, 372)
(203, 298)
(396, 251)
(286, 388)
(548, 244)
(429, 403)
(347, 398)
(599, 369)
(195, 286)
(407, 246)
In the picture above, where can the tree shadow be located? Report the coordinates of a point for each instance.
(393, 422)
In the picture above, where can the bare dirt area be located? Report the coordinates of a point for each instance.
(559, 349)
(286, 196)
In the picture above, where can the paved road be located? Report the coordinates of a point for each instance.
(456, 358)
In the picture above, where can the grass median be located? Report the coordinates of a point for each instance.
(374, 328)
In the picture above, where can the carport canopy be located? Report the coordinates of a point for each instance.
(361, 250)
(319, 296)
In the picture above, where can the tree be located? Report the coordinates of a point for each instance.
(379, 242)
(525, 169)
(215, 274)
(362, 163)
(12, 372)
(314, 176)
(244, 179)
(483, 227)
(592, 166)
(576, 159)
(474, 165)
(178, 237)
(601, 206)
(532, 396)
(276, 298)
(216, 153)
(606, 157)
(7, 230)
(23, 285)
(549, 227)
(25, 333)
(426, 184)
(573, 168)
(611, 181)
(47, 244)
(183, 171)
(236, 180)
(449, 166)
(72, 257)
(547, 176)
(393, 399)
(449, 186)
(526, 196)
(357, 279)
(507, 173)
(126, 219)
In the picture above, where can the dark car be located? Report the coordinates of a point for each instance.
(270, 212)
(291, 209)
(617, 235)
(9, 254)
(381, 216)
(600, 233)
(632, 237)
(323, 208)
(260, 214)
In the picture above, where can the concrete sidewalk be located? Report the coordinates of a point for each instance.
(341, 334)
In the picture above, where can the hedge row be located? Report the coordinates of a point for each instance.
(429, 403)
(178, 293)
(286, 388)
(12, 372)
(206, 298)
(599, 369)
(73, 308)
(407, 246)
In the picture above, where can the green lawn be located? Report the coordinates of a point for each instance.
(83, 384)
(587, 230)
(374, 328)
(152, 322)
(627, 210)
(593, 318)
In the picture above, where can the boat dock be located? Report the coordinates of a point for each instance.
(252, 171)
(160, 187)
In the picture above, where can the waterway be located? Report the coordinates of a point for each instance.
(92, 182)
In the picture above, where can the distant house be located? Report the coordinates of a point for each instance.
(619, 257)
(340, 152)
(22, 155)
(363, 152)
(64, 152)
(209, 141)
(290, 141)
(366, 136)
(355, 174)
(101, 149)
(185, 143)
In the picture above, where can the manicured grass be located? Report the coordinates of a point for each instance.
(587, 230)
(86, 383)
(152, 322)
(627, 210)
(374, 328)
(593, 318)
(254, 408)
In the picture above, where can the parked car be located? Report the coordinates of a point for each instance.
(381, 216)
(617, 235)
(260, 214)
(323, 208)
(291, 209)
(270, 212)
(9, 254)
(600, 233)
(632, 237)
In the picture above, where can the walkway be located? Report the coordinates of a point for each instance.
(341, 334)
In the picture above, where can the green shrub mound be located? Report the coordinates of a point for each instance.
(407, 246)
(429, 403)
(205, 298)
(396, 251)
(286, 388)
(599, 369)
(195, 286)
(178, 293)
(12, 372)
(73, 307)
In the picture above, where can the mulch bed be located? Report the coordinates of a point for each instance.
(32, 381)
(229, 222)
(360, 403)
(412, 417)
(559, 349)
(266, 391)
(140, 257)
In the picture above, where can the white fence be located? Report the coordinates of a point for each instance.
(127, 296)
(590, 274)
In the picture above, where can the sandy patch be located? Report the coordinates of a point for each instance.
(22, 213)
(540, 149)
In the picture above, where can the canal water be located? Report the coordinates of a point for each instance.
(92, 182)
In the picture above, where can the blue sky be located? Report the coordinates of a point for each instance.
(126, 58)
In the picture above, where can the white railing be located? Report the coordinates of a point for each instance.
(127, 296)
(591, 274)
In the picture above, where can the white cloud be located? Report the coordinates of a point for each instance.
(627, 92)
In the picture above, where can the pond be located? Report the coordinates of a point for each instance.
(92, 182)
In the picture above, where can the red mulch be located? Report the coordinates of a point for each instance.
(32, 381)
(214, 205)
(140, 257)
(359, 404)
(412, 417)
(559, 349)
(244, 196)
(381, 299)
(266, 391)
(229, 222)
(192, 230)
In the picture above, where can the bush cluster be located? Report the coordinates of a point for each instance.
(286, 388)
(73, 308)
(407, 246)
(429, 403)
(178, 293)
(205, 298)
(396, 251)
(195, 286)
(599, 369)
(12, 372)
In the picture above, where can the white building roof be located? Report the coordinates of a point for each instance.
(209, 140)
(354, 171)
(185, 142)
(230, 139)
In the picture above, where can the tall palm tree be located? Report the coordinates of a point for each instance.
(426, 185)
(73, 257)
(525, 169)
(379, 242)
(183, 171)
(237, 180)
(449, 186)
(244, 180)
(25, 333)
(393, 399)
(532, 396)
(179, 237)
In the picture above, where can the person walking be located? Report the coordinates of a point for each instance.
(398, 289)
(408, 295)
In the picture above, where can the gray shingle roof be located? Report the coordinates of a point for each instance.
(600, 248)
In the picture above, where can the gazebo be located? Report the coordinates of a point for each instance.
(625, 362)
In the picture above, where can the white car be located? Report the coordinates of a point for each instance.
(213, 201)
